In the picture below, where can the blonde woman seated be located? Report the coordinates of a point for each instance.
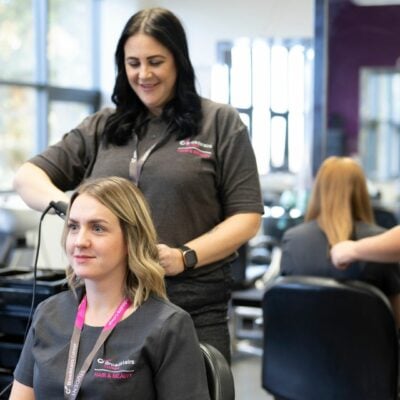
(339, 209)
(114, 335)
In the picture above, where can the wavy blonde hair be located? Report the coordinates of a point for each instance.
(339, 198)
(127, 203)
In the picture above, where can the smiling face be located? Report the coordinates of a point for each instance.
(151, 71)
(95, 245)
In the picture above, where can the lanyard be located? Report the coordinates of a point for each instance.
(136, 164)
(71, 386)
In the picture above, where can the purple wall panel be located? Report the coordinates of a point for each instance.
(358, 36)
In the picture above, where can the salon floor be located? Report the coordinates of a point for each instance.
(246, 370)
(246, 362)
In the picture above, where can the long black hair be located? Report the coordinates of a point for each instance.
(184, 110)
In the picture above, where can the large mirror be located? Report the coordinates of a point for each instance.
(360, 65)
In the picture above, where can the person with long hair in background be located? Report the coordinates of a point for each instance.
(339, 209)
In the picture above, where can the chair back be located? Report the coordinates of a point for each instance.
(328, 340)
(219, 374)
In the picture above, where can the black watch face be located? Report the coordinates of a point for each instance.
(190, 259)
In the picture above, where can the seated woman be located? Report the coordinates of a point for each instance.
(339, 209)
(114, 335)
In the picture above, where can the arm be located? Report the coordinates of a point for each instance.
(223, 240)
(20, 391)
(35, 187)
(239, 194)
(380, 248)
(178, 359)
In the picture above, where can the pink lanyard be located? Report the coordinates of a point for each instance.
(71, 386)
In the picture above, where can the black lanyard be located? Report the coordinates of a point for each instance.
(71, 384)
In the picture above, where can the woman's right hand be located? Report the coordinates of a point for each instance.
(343, 254)
(36, 188)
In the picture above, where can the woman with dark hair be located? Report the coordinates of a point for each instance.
(191, 157)
(114, 335)
(339, 209)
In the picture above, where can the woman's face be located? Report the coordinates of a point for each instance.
(95, 246)
(151, 71)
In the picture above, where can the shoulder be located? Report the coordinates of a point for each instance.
(363, 229)
(212, 109)
(63, 302)
(301, 231)
(223, 123)
(163, 311)
(164, 305)
(99, 116)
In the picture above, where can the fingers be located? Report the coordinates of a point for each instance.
(342, 266)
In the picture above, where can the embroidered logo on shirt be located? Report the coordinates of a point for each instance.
(199, 149)
(105, 369)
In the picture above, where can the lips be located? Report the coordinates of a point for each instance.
(147, 87)
(82, 258)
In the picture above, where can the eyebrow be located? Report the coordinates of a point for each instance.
(91, 221)
(147, 58)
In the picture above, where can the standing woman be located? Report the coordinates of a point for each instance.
(114, 335)
(191, 157)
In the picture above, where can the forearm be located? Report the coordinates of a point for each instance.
(35, 187)
(381, 248)
(220, 242)
(225, 238)
(20, 391)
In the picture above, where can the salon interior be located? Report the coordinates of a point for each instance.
(310, 78)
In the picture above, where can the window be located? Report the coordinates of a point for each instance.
(270, 84)
(48, 79)
(380, 122)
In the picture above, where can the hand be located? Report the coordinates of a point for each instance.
(343, 254)
(170, 259)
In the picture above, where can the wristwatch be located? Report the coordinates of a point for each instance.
(189, 257)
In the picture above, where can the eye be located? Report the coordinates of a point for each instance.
(154, 63)
(72, 226)
(133, 64)
(98, 228)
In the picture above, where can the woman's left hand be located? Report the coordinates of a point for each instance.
(170, 259)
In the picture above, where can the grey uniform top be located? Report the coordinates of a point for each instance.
(305, 251)
(191, 185)
(152, 354)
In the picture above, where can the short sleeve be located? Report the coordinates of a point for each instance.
(180, 374)
(69, 161)
(23, 372)
(239, 180)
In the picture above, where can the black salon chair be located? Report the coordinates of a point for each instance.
(219, 374)
(328, 340)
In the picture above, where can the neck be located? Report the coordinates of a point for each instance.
(101, 304)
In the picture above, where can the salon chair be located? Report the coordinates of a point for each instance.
(324, 339)
(384, 217)
(219, 374)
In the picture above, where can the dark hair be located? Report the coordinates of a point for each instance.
(184, 110)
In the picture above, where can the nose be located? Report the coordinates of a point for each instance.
(144, 72)
(82, 239)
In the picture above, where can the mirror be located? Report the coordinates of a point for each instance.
(360, 68)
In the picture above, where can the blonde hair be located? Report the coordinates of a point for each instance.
(339, 198)
(127, 203)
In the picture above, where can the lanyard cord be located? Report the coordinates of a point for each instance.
(136, 164)
(71, 387)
